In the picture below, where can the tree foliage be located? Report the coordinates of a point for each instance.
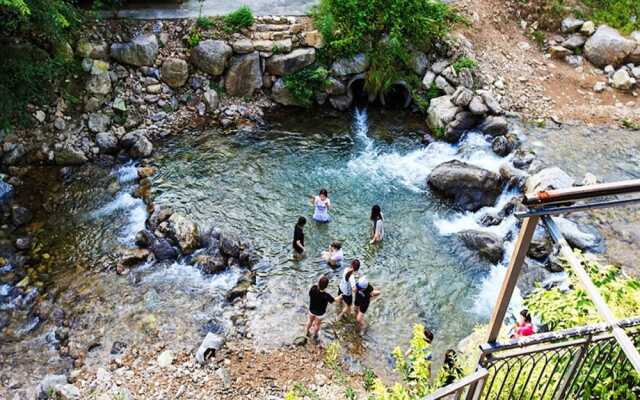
(387, 30)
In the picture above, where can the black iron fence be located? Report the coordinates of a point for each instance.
(568, 364)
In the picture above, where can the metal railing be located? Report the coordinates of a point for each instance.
(547, 366)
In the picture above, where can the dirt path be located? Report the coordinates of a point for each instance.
(532, 84)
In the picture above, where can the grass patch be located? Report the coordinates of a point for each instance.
(630, 124)
(239, 19)
(193, 39)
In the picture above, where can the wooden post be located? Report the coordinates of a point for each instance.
(511, 278)
(603, 309)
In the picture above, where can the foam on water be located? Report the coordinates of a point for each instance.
(186, 276)
(413, 168)
(126, 173)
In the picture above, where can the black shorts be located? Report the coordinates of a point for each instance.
(347, 299)
(362, 305)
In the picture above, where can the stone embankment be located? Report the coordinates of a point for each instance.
(617, 56)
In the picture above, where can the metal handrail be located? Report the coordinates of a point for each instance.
(581, 193)
(459, 386)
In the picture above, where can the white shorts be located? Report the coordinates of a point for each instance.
(320, 317)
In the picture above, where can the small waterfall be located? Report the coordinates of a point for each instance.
(124, 202)
(361, 129)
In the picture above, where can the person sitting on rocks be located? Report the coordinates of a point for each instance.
(347, 286)
(318, 302)
(523, 326)
(334, 255)
(298, 238)
(364, 294)
(321, 205)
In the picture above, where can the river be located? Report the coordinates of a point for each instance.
(256, 184)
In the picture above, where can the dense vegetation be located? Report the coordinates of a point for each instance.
(239, 19)
(386, 30)
(34, 38)
(303, 84)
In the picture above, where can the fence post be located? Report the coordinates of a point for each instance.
(567, 380)
(511, 278)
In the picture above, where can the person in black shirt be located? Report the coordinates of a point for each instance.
(298, 238)
(364, 294)
(318, 302)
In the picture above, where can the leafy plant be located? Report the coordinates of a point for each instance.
(276, 49)
(368, 379)
(350, 394)
(464, 63)
(304, 83)
(630, 124)
(239, 19)
(194, 38)
(386, 30)
(332, 355)
(539, 38)
(621, 14)
(204, 22)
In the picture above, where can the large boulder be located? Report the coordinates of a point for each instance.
(185, 232)
(441, 111)
(211, 56)
(243, 76)
(142, 50)
(494, 125)
(69, 155)
(284, 64)
(583, 237)
(351, 65)
(174, 72)
(487, 244)
(162, 250)
(608, 47)
(548, 179)
(281, 95)
(137, 144)
(469, 187)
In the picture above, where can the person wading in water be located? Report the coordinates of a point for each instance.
(347, 286)
(318, 302)
(321, 205)
(377, 225)
(334, 255)
(298, 238)
(364, 294)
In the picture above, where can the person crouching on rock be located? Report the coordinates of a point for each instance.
(347, 286)
(523, 326)
(298, 238)
(321, 205)
(364, 294)
(334, 255)
(318, 302)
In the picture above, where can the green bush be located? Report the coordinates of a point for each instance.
(193, 39)
(204, 23)
(239, 19)
(621, 14)
(386, 30)
(33, 64)
(304, 83)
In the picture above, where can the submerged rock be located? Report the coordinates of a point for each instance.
(487, 244)
(469, 186)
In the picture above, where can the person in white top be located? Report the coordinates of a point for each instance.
(334, 255)
(347, 286)
(321, 206)
(377, 225)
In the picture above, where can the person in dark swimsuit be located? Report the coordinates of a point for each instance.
(318, 302)
(298, 238)
(364, 294)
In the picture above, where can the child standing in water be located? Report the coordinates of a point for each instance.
(298, 238)
(318, 302)
(364, 294)
(321, 205)
(377, 226)
(334, 255)
(346, 287)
